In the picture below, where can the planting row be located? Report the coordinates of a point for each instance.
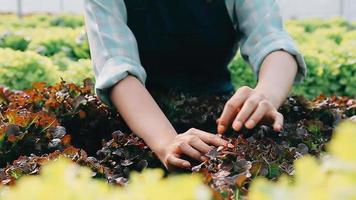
(64, 119)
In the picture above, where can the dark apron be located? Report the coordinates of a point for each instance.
(184, 44)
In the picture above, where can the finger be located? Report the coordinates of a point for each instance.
(210, 138)
(230, 111)
(258, 114)
(178, 162)
(278, 121)
(190, 151)
(247, 109)
(231, 108)
(200, 146)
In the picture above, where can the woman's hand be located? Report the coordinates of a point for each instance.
(194, 143)
(150, 123)
(250, 106)
(247, 107)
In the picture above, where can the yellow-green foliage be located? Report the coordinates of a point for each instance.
(76, 72)
(19, 69)
(49, 41)
(37, 20)
(328, 47)
(62, 179)
(43, 35)
(329, 50)
(333, 177)
(41, 20)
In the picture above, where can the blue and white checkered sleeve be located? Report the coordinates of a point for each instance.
(113, 46)
(263, 32)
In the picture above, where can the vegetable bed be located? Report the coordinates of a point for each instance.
(46, 122)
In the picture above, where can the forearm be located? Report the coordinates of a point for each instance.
(276, 76)
(142, 114)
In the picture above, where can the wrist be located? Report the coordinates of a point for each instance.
(159, 146)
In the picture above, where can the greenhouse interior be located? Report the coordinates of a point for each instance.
(177, 100)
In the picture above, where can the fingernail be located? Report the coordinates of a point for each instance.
(186, 164)
(221, 129)
(203, 158)
(237, 125)
(230, 145)
(280, 128)
(250, 123)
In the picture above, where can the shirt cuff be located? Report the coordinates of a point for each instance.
(275, 42)
(114, 70)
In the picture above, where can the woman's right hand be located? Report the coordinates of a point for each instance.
(149, 123)
(194, 143)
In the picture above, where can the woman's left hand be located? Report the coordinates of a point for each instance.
(247, 107)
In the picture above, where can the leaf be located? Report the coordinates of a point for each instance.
(58, 132)
(66, 140)
(39, 86)
(12, 130)
(213, 153)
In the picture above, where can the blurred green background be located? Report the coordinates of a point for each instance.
(45, 47)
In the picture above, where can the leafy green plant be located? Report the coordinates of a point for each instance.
(308, 125)
(75, 182)
(30, 21)
(331, 66)
(332, 177)
(73, 47)
(81, 47)
(19, 70)
(76, 71)
(71, 21)
(51, 47)
(42, 20)
(13, 41)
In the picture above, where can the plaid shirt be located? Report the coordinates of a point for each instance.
(115, 53)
